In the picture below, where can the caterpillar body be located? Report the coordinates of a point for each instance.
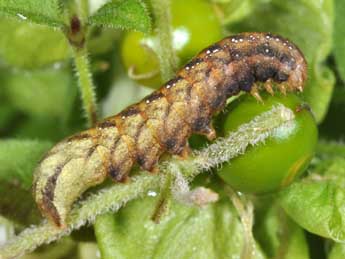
(164, 120)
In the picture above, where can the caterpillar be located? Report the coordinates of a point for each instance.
(164, 120)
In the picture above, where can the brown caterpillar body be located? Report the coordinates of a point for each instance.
(164, 120)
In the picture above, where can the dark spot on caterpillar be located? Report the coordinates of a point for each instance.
(213, 48)
(170, 143)
(139, 127)
(173, 81)
(237, 54)
(141, 159)
(218, 102)
(188, 93)
(153, 96)
(232, 89)
(193, 63)
(200, 124)
(48, 194)
(281, 77)
(132, 110)
(286, 59)
(262, 74)
(91, 151)
(47, 205)
(106, 124)
(238, 38)
(246, 81)
(50, 187)
(113, 147)
(268, 35)
(115, 173)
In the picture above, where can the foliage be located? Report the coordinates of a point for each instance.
(41, 67)
(130, 15)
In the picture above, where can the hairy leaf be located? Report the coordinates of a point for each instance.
(29, 46)
(339, 37)
(18, 158)
(6, 114)
(330, 149)
(37, 11)
(17, 204)
(279, 236)
(337, 251)
(186, 232)
(318, 203)
(128, 14)
(43, 92)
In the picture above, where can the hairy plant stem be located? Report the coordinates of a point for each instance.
(164, 201)
(162, 23)
(112, 198)
(87, 88)
(245, 209)
(84, 8)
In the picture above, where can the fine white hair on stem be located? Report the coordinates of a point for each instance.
(112, 198)
(251, 133)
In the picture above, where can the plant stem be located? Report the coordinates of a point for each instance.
(164, 201)
(112, 198)
(84, 9)
(162, 20)
(85, 83)
(245, 209)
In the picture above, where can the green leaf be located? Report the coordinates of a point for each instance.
(45, 92)
(318, 203)
(17, 204)
(37, 11)
(279, 236)
(186, 232)
(18, 158)
(330, 149)
(6, 114)
(339, 37)
(123, 14)
(45, 44)
(337, 251)
(309, 24)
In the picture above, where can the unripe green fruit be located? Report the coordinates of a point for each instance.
(195, 26)
(275, 163)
